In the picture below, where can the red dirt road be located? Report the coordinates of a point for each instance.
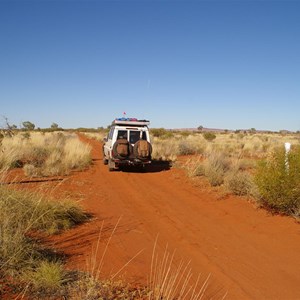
(249, 253)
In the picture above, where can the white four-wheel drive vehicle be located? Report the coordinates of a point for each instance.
(127, 143)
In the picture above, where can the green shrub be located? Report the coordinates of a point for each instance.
(47, 275)
(278, 183)
(161, 133)
(209, 136)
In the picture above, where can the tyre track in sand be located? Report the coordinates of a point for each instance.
(249, 253)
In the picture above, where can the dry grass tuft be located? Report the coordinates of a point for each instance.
(239, 183)
(99, 136)
(44, 154)
(169, 280)
(166, 150)
(24, 212)
(215, 167)
(194, 166)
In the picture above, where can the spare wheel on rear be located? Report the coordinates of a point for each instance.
(121, 149)
(142, 149)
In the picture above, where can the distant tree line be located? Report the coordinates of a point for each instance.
(27, 126)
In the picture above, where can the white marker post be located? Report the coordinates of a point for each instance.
(287, 147)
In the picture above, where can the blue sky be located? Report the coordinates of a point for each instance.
(219, 64)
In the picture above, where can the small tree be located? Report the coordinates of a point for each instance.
(54, 126)
(200, 128)
(28, 125)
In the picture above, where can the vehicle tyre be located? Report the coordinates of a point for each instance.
(105, 160)
(136, 150)
(126, 147)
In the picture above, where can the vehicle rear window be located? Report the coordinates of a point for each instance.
(122, 134)
(134, 136)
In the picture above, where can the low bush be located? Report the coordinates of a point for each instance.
(215, 167)
(209, 136)
(194, 167)
(191, 145)
(166, 150)
(186, 148)
(161, 133)
(48, 275)
(239, 183)
(278, 182)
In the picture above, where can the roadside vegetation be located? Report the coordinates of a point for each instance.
(25, 264)
(171, 144)
(252, 165)
(278, 182)
(99, 135)
(44, 154)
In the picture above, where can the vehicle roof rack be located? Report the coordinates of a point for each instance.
(130, 122)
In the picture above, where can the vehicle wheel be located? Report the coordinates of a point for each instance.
(126, 149)
(148, 152)
(105, 161)
(111, 165)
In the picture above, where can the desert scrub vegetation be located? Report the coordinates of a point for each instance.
(164, 149)
(273, 182)
(99, 136)
(44, 154)
(184, 143)
(209, 136)
(240, 183)
(22, 257)
(278, 181)
(230, 160)
(220, 169)
(215, 167)
(171, 144)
